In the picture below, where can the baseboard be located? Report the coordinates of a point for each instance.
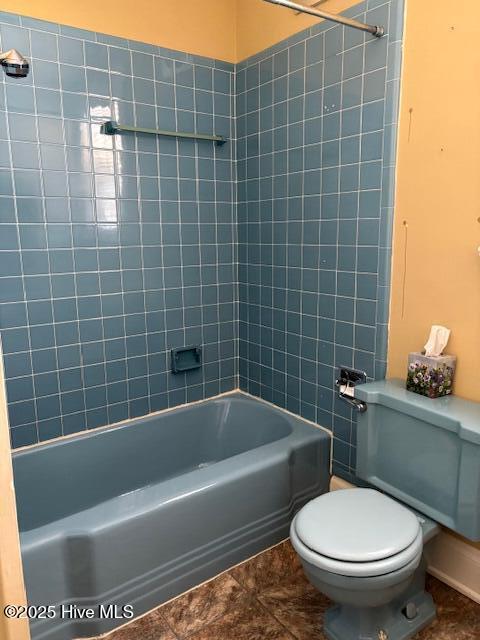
(449, 558)
(456, 563)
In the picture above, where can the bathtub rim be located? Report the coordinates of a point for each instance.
(226, 394)
(191, 481)
(148, 498)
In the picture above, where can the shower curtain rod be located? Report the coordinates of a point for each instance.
(348, 22)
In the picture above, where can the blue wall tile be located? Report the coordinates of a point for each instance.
(326, 307)
(86, 285)
(95, 292)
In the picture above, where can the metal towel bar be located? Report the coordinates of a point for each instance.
(111, 127)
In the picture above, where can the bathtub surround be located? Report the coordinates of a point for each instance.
(316, 126)
(115, 249)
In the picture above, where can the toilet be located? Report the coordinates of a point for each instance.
(365, 552)
(364, 548)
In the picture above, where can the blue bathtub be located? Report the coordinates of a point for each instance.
(138, 513)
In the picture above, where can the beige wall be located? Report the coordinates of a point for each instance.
(204, 27)
(438, 188)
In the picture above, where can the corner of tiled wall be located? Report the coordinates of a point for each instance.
(316, 119)
(264, 250)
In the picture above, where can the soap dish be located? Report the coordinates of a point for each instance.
(186, 358)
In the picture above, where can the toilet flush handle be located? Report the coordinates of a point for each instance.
(346, 382)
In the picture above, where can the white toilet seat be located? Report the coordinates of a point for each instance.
(357, 532)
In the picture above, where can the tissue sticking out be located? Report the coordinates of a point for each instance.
(437, 341)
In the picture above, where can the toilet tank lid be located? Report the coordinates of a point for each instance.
(451, 413)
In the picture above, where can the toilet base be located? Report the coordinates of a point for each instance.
(388, 622)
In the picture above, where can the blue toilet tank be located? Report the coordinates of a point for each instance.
(424, 452)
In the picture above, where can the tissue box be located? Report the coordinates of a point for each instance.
(431, 376)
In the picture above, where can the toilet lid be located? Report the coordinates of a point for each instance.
(356, 525)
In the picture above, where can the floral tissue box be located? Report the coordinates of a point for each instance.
(430, 376)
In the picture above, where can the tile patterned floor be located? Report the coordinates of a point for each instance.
(268, 598)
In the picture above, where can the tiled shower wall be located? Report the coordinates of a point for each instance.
(316, 125)
(112, 249)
